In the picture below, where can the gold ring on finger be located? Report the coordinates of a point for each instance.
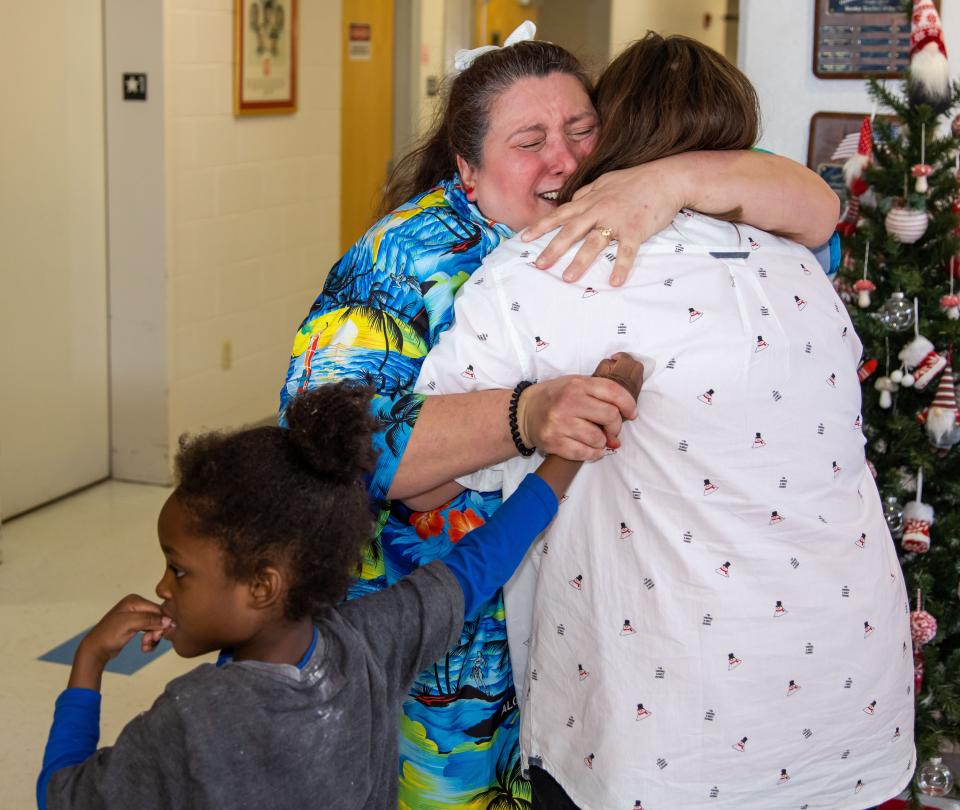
(606, 233)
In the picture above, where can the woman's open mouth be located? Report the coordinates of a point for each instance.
(549, 196)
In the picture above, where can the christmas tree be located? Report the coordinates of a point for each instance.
(901, 237)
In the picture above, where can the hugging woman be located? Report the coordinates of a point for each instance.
(720, 619)
(515, 123)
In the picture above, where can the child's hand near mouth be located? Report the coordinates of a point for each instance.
(131, 615)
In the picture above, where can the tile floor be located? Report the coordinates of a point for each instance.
(63, 566)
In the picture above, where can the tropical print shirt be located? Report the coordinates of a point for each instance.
(382, 308)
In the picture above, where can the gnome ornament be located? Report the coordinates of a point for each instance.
(929, 77)
(941, 420)
(918, 518)
(853, 169)
(920, 357)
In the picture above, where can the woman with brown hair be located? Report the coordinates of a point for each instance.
(719, 611)
(516, 122)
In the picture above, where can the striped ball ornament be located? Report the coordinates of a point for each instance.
(906, 225)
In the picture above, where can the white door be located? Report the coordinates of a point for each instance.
(53, 307)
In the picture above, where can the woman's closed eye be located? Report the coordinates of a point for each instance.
(580, 134)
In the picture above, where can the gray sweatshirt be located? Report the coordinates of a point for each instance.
(255, 735)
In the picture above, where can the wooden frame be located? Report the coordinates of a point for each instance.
(855, 39)
(265, 57)
(827, 129)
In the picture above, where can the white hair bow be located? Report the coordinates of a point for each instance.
(522, 33)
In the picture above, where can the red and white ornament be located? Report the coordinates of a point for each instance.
(847, 225)
(921, 358)
(928, 81)
(921, 171)
(866, 368)
(923, 629)
(863, 286)
(855, 165)
(942, 420)
(950, 304)
(918, 517)
(906, 225)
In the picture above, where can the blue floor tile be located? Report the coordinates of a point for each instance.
(127, 662)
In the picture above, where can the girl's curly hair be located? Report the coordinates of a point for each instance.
(292, 497)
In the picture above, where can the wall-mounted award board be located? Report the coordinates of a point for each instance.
(854, 39)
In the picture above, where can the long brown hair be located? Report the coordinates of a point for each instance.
(463, 118)
(663, 96)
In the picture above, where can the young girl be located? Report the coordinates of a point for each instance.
(261, 537)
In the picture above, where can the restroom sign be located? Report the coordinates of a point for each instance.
(359, 44)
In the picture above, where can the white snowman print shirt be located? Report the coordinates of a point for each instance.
(717, 616)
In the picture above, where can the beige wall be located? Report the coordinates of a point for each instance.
(252, 212)
(631, 19)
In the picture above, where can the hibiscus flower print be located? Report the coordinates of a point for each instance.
(461, 523)
(428, 524)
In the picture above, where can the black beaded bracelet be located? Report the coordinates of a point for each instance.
(512, 416)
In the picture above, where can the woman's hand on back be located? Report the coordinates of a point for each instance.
(633, 203)
(770, 192)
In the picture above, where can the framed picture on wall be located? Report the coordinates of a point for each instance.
(854, 39)
(833, 138)
(265, 57)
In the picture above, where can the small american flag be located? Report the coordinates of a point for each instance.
(847, 147)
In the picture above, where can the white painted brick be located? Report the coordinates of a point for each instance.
(324, 129)
(321, 178)
(318, 91)
(208, 5)
(181, 37)
(214, 242)
(240, 287)
(258, 232)
(254, 212)
(239, 189)
(285, 181)
(319, 258)
(263, 137)
(195, 89)
(183, 249)
(195, 195)
(183, 151)
(217, 140)
(215, 36)
(193, 298)
(196, 350)
(281, 274)
(321, 22)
